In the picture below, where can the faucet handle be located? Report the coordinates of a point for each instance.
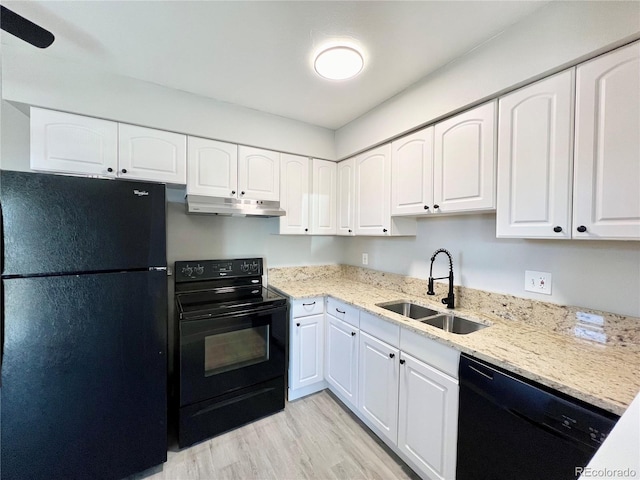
(430, 287)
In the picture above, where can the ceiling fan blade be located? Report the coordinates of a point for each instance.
(24, 29)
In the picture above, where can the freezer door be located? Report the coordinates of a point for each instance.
(58, 224)
(84, 376)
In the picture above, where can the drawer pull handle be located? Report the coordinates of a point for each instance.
(340, 311)
(308, 304)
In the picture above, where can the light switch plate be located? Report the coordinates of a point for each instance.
(538, 282)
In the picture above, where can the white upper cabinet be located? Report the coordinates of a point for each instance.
(149, 154)
(212, 168)
(606, 200)
(294, 194)
(535, 136)
(412, 173)
(67, 143)
(373, 191)
(346, 197)
(258, 174)
(464, 161)
(323, 197)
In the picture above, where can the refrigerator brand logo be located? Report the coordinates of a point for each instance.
(141, 193)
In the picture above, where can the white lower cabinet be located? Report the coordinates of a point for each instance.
(341, 359)
(378, 385)
(428, 418)
(306, 347)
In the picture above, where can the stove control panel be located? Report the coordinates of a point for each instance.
(186, 271)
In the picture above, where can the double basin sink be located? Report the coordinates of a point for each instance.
(445, 321)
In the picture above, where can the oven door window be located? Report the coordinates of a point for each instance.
(228, 351)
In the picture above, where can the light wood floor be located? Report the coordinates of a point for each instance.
(314, 438)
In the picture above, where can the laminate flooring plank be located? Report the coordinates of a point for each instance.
(314, 438)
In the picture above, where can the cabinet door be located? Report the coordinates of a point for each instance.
(373, 191)
(258, 174)
(307, 351)
(535, 136)
(606, 199)
(62, 142)
(378, 385)
(341, 358)
(212, 168)
(464, 161)
(346, 197)
(428, 418)
(294, 194)
(412, 173)
(323, 197)
(149, 154)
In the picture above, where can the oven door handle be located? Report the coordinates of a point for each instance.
(230, 322)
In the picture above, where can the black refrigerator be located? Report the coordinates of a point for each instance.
(83, 392)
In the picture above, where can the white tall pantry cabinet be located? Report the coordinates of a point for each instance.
(606, 197)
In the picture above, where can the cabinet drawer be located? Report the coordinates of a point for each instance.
(381, 329)
(346, 313)
(442, 357)
(307, 306)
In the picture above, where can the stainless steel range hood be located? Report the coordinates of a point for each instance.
(201, 204)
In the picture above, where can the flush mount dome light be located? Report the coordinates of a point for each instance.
(338, 62)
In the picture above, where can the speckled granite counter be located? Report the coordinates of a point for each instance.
(530, 338)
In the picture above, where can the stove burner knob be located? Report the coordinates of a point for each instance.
(199, 270)
(187, 271)
(244, 267)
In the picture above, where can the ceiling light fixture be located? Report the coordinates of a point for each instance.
(338, 62)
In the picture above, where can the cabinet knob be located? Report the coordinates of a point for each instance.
(353, 334)
(124, 170)
(391, 355)
(109, 169)
(297, 324)
(402, 362)
(426, 207)
(436, 206)
(349, 230)
(242, 193)
(306, 229)
(582, 229)
(384, 230)
(557, 229)
(233, 192)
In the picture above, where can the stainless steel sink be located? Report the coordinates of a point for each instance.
(450, 323)
(408, 309)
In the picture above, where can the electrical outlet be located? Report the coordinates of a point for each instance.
(538, 282)
(365, 259)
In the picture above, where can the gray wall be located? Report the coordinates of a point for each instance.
(602, 275)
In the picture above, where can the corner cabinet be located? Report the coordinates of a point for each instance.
(153, 155)
(535, 134)
(606, 198)
(464, 161)
(212, 168)
(373, 196)
(345, 192)
(412, 174)
(258, 174)
(308, 195)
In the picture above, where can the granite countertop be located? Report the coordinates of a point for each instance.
(607, 376)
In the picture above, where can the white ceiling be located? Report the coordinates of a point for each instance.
(258, 54)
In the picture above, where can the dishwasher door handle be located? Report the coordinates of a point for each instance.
(487, 375)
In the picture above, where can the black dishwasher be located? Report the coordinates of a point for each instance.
(512, 428)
